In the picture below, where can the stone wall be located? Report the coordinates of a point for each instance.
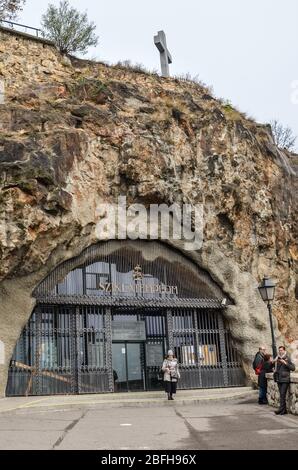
(75, 134)
(292, 396)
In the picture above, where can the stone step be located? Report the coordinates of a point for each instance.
(160, 393)
(132, 399)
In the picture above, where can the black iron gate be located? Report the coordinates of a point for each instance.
(202, 345)
(67, 349)
(62, 350)
(204, 349)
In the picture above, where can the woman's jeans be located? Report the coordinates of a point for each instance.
(263, 394)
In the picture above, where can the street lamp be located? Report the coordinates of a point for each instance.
(267, 289)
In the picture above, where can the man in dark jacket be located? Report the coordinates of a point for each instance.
(257, 366)
(283, 368)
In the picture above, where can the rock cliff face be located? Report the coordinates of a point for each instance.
(75, 133)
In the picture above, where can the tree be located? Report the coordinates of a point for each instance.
(10, 8)
(69, 29)
(283, 136)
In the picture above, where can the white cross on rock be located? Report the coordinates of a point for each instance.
(165, 57)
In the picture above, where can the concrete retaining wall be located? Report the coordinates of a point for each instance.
(292, 396)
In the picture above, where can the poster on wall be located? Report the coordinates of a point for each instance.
(208, 354)
(154, 355)
(188, 355)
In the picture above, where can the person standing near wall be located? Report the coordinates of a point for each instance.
(282, 372)
(267, 367)
(258, 366)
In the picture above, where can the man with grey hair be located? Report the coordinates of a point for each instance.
(257, 365)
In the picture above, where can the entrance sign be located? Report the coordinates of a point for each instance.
(138, 285)
(109, 287)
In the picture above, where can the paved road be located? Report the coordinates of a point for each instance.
(233, 424)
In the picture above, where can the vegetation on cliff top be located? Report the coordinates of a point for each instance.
(69, 29)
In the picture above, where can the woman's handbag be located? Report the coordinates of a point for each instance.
(160, 375)
(275, 376)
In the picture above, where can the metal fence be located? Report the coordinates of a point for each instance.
(62, 350)
(21, 28)
(67, 349)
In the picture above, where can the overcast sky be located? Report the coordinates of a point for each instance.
(246, 50)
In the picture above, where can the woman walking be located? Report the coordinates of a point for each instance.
(171, 374)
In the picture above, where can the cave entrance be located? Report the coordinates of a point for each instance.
(105, 320)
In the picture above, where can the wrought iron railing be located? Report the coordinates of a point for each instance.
(16, 26)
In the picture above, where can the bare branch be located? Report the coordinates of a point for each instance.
(10, 8)
(283, 136)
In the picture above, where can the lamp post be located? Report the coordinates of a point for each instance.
(267, 289)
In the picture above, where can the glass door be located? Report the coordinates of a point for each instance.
(135, 371)
(128, 368)
(119, 367)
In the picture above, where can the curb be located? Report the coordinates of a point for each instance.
(128, 403)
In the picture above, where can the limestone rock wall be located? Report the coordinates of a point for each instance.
(292, 395)
(74, 134)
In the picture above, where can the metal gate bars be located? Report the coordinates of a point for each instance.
(62, 350)
(67, 349)
(204, 349)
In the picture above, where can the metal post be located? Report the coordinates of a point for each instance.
(71, 312)
(37, 368)
(274, 349)
(78, 349)
(195, 313)
(223, 352)
(170, 330)
(108, 335)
